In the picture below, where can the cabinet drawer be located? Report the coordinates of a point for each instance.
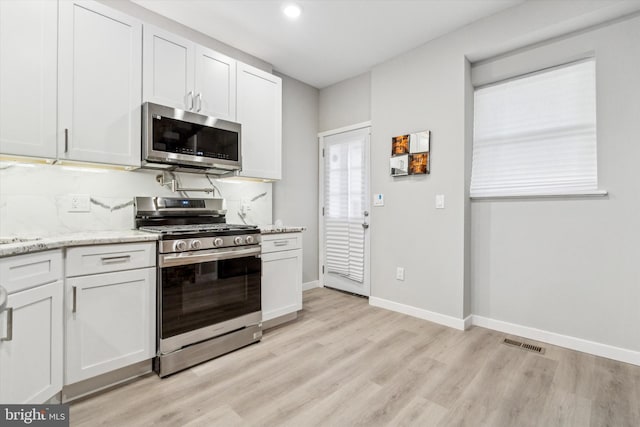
(21, 272)
(85, 260)
(281, 242)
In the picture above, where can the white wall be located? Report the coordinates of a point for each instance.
(34, 199)
(345, 103)
(504, 259)
(423, 90)
(295, 197)
(572, 265)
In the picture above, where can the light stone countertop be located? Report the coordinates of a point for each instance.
(272, 229)
(18, 246)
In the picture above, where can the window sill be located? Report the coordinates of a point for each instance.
(568, 195)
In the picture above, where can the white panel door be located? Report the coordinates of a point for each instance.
(345, 211)
(281, 283)
(110, 322)
(259, 108)
(28, 77)
(168, 69)
(215, 84)
(100, 89)
(31, 345)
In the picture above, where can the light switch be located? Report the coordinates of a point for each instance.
(439, 201)
(378, 200)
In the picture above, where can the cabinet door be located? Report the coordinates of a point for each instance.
(281, 283)
(215, 84)
(31, 360)
(259, 110)
(100, 89)
(28, 55)
(168, 69)
(110, 322)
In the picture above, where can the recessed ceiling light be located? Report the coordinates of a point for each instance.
(292, 11)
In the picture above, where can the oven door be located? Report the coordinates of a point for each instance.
(204, 294)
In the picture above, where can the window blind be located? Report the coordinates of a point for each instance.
(536, 135)
(345, 192)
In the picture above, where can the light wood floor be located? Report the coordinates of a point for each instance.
(346, 363)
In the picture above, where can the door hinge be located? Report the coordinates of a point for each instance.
(323, 211)
(323, 152)
(323, 269)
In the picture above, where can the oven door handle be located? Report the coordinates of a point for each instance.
(171, 260)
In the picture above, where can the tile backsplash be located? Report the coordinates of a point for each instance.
(35, 200)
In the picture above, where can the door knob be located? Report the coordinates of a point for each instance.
(365, 226)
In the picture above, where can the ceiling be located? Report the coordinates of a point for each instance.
(332, 40)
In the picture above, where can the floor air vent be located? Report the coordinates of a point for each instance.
(525, 346)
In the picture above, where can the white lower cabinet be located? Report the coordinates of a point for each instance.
(110, 316)
(31, 331)
(281, 275)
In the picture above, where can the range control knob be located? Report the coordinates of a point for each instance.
(237, 240)
(249, 240)
(196, 244)
(217, 241)
(180, 245)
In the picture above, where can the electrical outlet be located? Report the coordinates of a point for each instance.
(79, 203)
(245, 206)
(400, 273)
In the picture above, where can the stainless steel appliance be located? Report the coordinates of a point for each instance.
(209, 279)
(189, 141)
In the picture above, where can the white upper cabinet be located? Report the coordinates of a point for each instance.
(182, 74)
(259, 110)
(28, 55)
(168, 69)
(215, 84)
(100, 79)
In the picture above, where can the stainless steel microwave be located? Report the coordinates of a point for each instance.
(186, 140)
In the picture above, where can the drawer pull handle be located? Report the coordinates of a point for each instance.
(280, 243)
(116, 259)
(75, 300)
(9, 336)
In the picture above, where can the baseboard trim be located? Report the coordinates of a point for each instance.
(468, 322)
(573, 343)
(420, 313)
(310, 285)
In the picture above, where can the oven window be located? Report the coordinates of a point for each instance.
(199, 295)
(177, 136)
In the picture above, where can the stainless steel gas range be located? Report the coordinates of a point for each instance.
(209, 278)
